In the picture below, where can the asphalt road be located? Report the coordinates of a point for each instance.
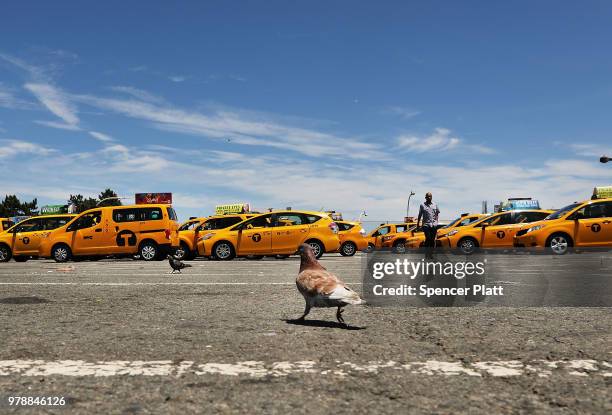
(126, 337)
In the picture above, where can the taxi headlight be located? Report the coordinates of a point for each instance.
(451, 233)
(207, 236)
(535, 228)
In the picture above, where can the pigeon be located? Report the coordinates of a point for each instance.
(320, 287)
(176, 264)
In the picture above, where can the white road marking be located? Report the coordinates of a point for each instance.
(122, 284)
(258, 369)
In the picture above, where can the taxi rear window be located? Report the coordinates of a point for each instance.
(172, 214)
(344, 226)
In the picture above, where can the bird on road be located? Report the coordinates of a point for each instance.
(176, 264)
(320, 287)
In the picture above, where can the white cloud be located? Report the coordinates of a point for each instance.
(35, 72)
(439, 141)
(100, 136)
(138, 93)
(55, 101)
(8, 99)
(591, 150)
(10, 148)
(177, 78)
(238, 129)
(59, 125)
(403, 112)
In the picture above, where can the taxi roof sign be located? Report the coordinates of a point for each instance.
(602, 192)
(232, 208)
(519, 203)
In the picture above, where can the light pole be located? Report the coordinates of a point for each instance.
(604, 159)
(408, 206)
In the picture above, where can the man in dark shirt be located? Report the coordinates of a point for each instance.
(428, 211)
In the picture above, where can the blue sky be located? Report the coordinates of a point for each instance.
(307, 104)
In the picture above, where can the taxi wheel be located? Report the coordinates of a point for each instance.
(182, 252)
(224, 251)
(559, 243)
(399, 247)
(317, 247)
(348, 249)
(5, 253)
(148, 251)
(467, 245)
(369, 249)
(20, 258)
(61, 253)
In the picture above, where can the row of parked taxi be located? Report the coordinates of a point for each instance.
(151, 232)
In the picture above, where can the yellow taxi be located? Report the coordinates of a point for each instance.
(397, 240)
(418, 239)
(22, 241)
(581, 224)
(5, 223)
(375, 238)
(494, 231)
(352, 238)
(273, 233)
(150, 231)
(190, 231)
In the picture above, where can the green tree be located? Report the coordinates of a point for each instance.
(12, 206)
(82, 204)
(109, 194)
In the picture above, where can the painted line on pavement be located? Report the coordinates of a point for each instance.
(258, 369)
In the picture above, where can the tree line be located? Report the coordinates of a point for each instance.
(12, 206)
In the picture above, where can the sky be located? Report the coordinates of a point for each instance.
(337, 105)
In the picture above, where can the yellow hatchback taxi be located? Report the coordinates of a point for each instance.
(5, 223)
(352, 238)
(274, 233)
(150, 231)
(22, 241)
(190, 231)
(376, 237)
(494, 231)
(582, 224)
(418, 239)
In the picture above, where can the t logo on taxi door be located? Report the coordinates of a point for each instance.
(26, 240)
(124, 236)
(501, 234)
(256, 237)
(596, 227)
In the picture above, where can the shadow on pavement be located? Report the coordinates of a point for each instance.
(323, 323)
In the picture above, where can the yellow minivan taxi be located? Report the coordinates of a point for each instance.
(150, 231)
(274, 233)
(22, 241)
(494, 231)
(190, 231)
(582, 224)
(5, 223)
(352, 238)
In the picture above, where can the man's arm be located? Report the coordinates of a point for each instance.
(420, 216)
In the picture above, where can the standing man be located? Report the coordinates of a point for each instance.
(429, 212)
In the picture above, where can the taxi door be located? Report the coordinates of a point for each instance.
(88, 235)
(595, 225)
(499, 232)
(378, 235)
(26, 237)
(255, 236)
(289, 231)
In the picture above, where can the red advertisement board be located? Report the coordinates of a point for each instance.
(153, 198)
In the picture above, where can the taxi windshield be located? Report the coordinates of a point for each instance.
(450, 225)
(563, 211)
